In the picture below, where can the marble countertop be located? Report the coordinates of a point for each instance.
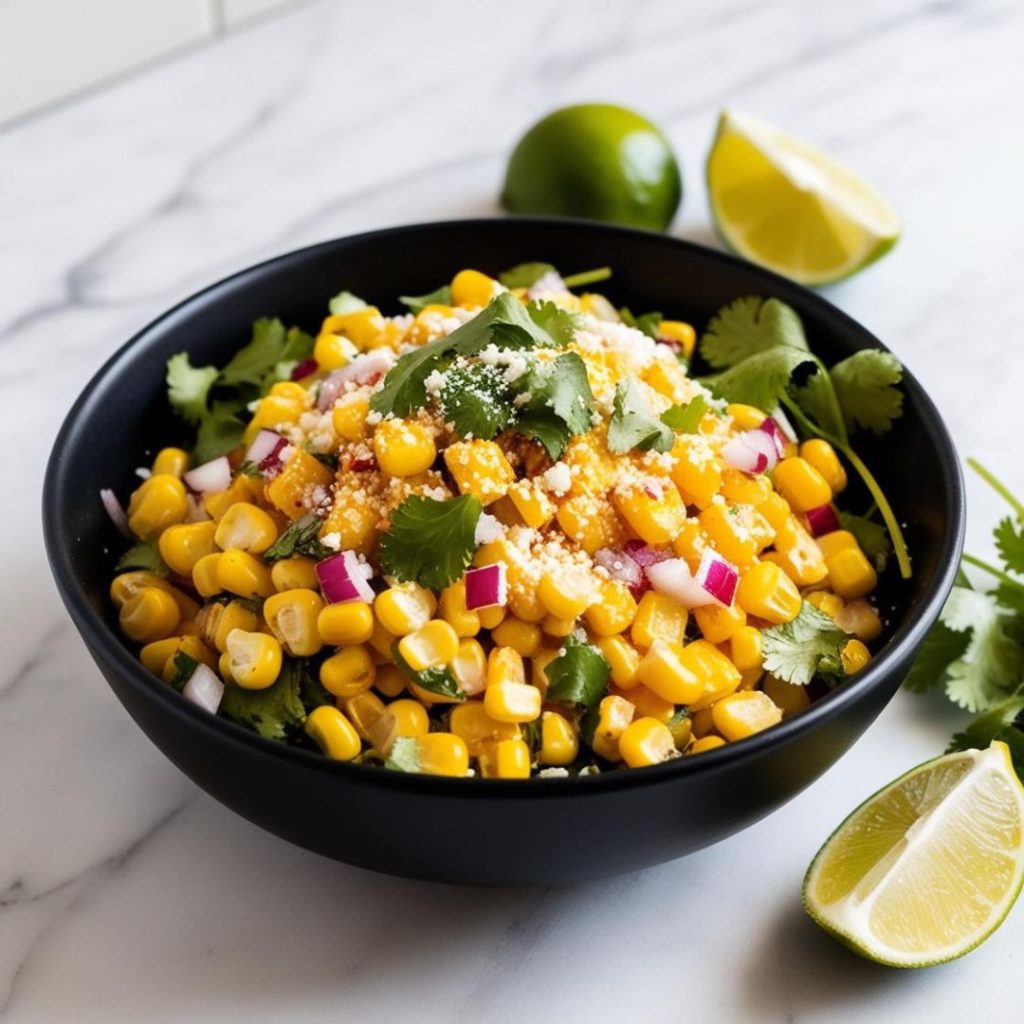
(126, 894)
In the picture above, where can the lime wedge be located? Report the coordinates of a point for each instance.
(781, 203)
(927, 868)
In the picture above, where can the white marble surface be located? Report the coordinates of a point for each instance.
(125, 893)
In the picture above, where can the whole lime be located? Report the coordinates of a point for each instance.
(595, 160)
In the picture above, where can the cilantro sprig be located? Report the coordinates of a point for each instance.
(143, 555)
(579, 676)
(809, 646)
(633, 426)
(301, 538)
(558, 402)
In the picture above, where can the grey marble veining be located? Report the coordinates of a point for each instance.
(125, 893)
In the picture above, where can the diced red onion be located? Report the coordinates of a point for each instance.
(644, 555)
(365, 369)
(771, 429)
(674, 579)
(211, 477)
(344, 577)
(204, 688)
(822, 520)
(620, 566)
(303, 369)
(787, 428)
(740, 454)
(363, 464)
(115, 510)
(717, 577)
(486, 587)
(266, 443)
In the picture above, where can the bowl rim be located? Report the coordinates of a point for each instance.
(109, 648)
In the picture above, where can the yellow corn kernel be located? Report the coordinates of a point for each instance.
(797, 554)
(740, 488)
(558, 628)
(746, 648)
(822, 456)
(410, 717)
(721, 677)
(363, 710)
(854, 656)
(775, 510)
(523, 637)
(348, 417)
(295, 573)
(333, 351)
(614, 715)
(403, 447)
(184, 545)
(454, 611)
(292, 615)
(718, 624)
(352, 517)
(512, 701)
(658, 618)
(668, 670)
(382, 643)
(705, 743)
(766, 592)
(559, 743)
(272, 413)
(217, 620)
(750, 679)
(348, 672)
(471, 723)
(738, 532)
(668, 378)
(155, 654)
(850, 574)
(701, 723)
(646, 741)
(826, 602)
(223, 667)
(157, 503)
(149, 615)
(243, 488)
(539, 666)
(859, 619)
(204, 575)
(690, 543)
(590, 521)
(301, 486)
(479, 468)
(433, 644)
(696, 470)
(188, 627)
(470, 288)
(646, 703)
(681, 730)
(506, 759)
(801, 484)
(836, 541)
(568, 593)
(654, 510)
(682, 334)
(246, 527)
(742, 714)
(790, 699)
(170, 461)
(344, 624)
(390, 680)
(614, 610)
(591, 467)
(505, 665)
(534, 506)
(333, 733)
(127, 584)
(490, 618)
(442, 753)
(745, 417)
(404, 608)
(255, 659)
(243, 574)
(364, 327)
(469, 667)
(623, 661)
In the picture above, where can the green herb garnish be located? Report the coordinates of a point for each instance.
(633, 426)
(143, 555)
(477, 400)
(184, 666)
(273, 712)
(686, 419)
(559, 402)
(345, 302)
(439, 297)
(647, 323)
(810, 645)
(437, 680)
(579, 676)
(301, 538)
(526, 275)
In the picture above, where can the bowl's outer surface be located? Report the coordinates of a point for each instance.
(474, 830)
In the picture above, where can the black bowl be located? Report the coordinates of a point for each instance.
(474, 830)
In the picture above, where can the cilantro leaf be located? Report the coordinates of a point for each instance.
(998, 723)
(560, 402)
(269, 346)
(865, 385)
(941, 647)
(144, 555)
(872, 537)
(437, 680)
(749, 326)
(525, 275)
(438, 297)
(559, 324)
(477, 400)
(345, 302)
(632, 425)
(685, 419)
(272, 712)
(312, 692)
(404, 755)
(220, 431)
(816, 397)
(647, 323)
(578, 676)
(1009, 537)
(1010, 596)
(760, 379)
(809, 645)
(429, 541)
(188, 387)
(301, 538)
(184, 666)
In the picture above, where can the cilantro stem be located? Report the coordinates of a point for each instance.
(1003, 577)
(998, 486)
(833, 400)
(587, 277)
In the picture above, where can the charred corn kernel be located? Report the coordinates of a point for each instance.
(742, 714)
(128, 584)
(333, 733)
(745, 417)
(797, 554)
(682, 334)
(850, 574)
(243, 488)
(157, 503)
(348, 417)
(721, 677)
(301, 486)
(647, 704)
(701, 723)
(469, 667)
(194, 647)
(614, 715)
(559, 743)
(292, 616)
(560, 628)
(295, 573)
(390, 680)
(471, 288)
(454, 611)
(568, 593)
(614, 610)
(705, 743)
(381, 641)
(717, 624)
(505, 665)
(404, 608)
(860, 619)
(653, 510)
(492, 617)
(442, 753)
(149, 615)
(658, 618)
(204, 575)
(506, 759)
(646, 741)
(183, 544)
(681, 730)
(479, 468)
(471, 723)
(666, 669)
(790, 699)
(246, 527)
(243, 574)
(349, 672)
(433, 644)
(534, 506)
(410, 717)
(745, 489)
(590, 521)
(403, 447)
(854, 656)
(362, 710)
(738, 532)
(383, 733)
(512, 702)
(836, 541)
(255, 659)
(523, 637)
(623, 661)
(826, 602)
(696, 470)
(156, 653)
(766, 592)
(333, 351)
(170, 461)
(801, 484)
(343, 624)
(822, 456)
(775, 510)
(539, 666)
(746, 648)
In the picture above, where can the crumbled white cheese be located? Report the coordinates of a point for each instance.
(488, 529)
(557, 479)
